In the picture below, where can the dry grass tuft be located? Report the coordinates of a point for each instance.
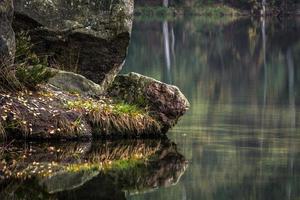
(69, 127)
(107, 123)
(119, 118)
(2, 130)
(8, 79)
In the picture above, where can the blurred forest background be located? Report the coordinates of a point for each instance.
(246, 5)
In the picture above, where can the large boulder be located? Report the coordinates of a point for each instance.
(7, 36)
(164, 102)
(87, 36)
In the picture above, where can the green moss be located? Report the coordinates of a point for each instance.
(123, 108)
(125, 164)
(114, 108)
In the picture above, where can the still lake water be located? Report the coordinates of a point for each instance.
(241, 136)
(242, 77)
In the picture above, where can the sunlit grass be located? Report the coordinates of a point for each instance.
(122, 118)
(116, 108)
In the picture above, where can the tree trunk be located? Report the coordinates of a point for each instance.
(167, 50)
(263, 11)
(165, 3)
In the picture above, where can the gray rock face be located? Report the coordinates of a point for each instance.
(87, 36)
(7, 36)
(71, 82)
(165, 102)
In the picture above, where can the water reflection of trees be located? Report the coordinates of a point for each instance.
(220, 61)
(245, 70)
(242, 131)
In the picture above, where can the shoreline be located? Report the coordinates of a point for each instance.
(218, 10)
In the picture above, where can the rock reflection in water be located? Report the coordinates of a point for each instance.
(93, 170)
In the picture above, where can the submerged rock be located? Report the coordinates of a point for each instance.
(89, 37)
(164, 102)
(7, 35)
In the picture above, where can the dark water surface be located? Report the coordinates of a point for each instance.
(242, 77)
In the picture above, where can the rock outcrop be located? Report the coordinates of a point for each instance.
(135, 106)
(7, 36)
(89, 37)
(93, 103)
(164, 102)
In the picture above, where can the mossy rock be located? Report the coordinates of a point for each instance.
(164, 102)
